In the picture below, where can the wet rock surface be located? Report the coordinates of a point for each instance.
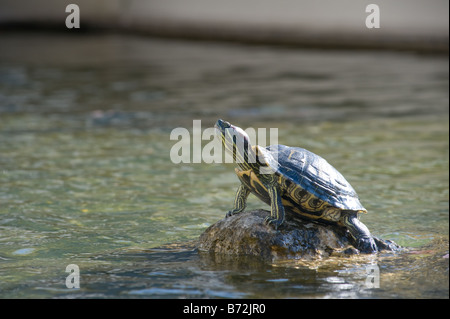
(247, 234)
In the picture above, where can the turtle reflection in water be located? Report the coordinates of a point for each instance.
(296, 180)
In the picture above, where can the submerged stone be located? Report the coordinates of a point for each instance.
(247, 234)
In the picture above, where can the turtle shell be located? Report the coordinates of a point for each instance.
(303, 170)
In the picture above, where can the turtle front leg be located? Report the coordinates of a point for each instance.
(276, 217)
(360, 232)
(240, 201)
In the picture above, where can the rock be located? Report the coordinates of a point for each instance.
(247, 234)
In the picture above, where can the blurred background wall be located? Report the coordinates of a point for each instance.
(404, 24)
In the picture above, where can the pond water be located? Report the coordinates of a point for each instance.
(86, 176)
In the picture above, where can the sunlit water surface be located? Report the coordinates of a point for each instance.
(86, 176)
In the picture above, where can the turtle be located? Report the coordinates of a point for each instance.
(295, 180)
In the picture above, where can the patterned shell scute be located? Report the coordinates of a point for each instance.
(314, 174)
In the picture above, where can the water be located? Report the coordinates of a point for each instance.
(86, 176)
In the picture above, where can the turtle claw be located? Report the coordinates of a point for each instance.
(269, 220)
(232, 212)
(366, 245)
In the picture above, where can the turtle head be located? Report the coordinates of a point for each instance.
(225, 129)
(237, 142)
